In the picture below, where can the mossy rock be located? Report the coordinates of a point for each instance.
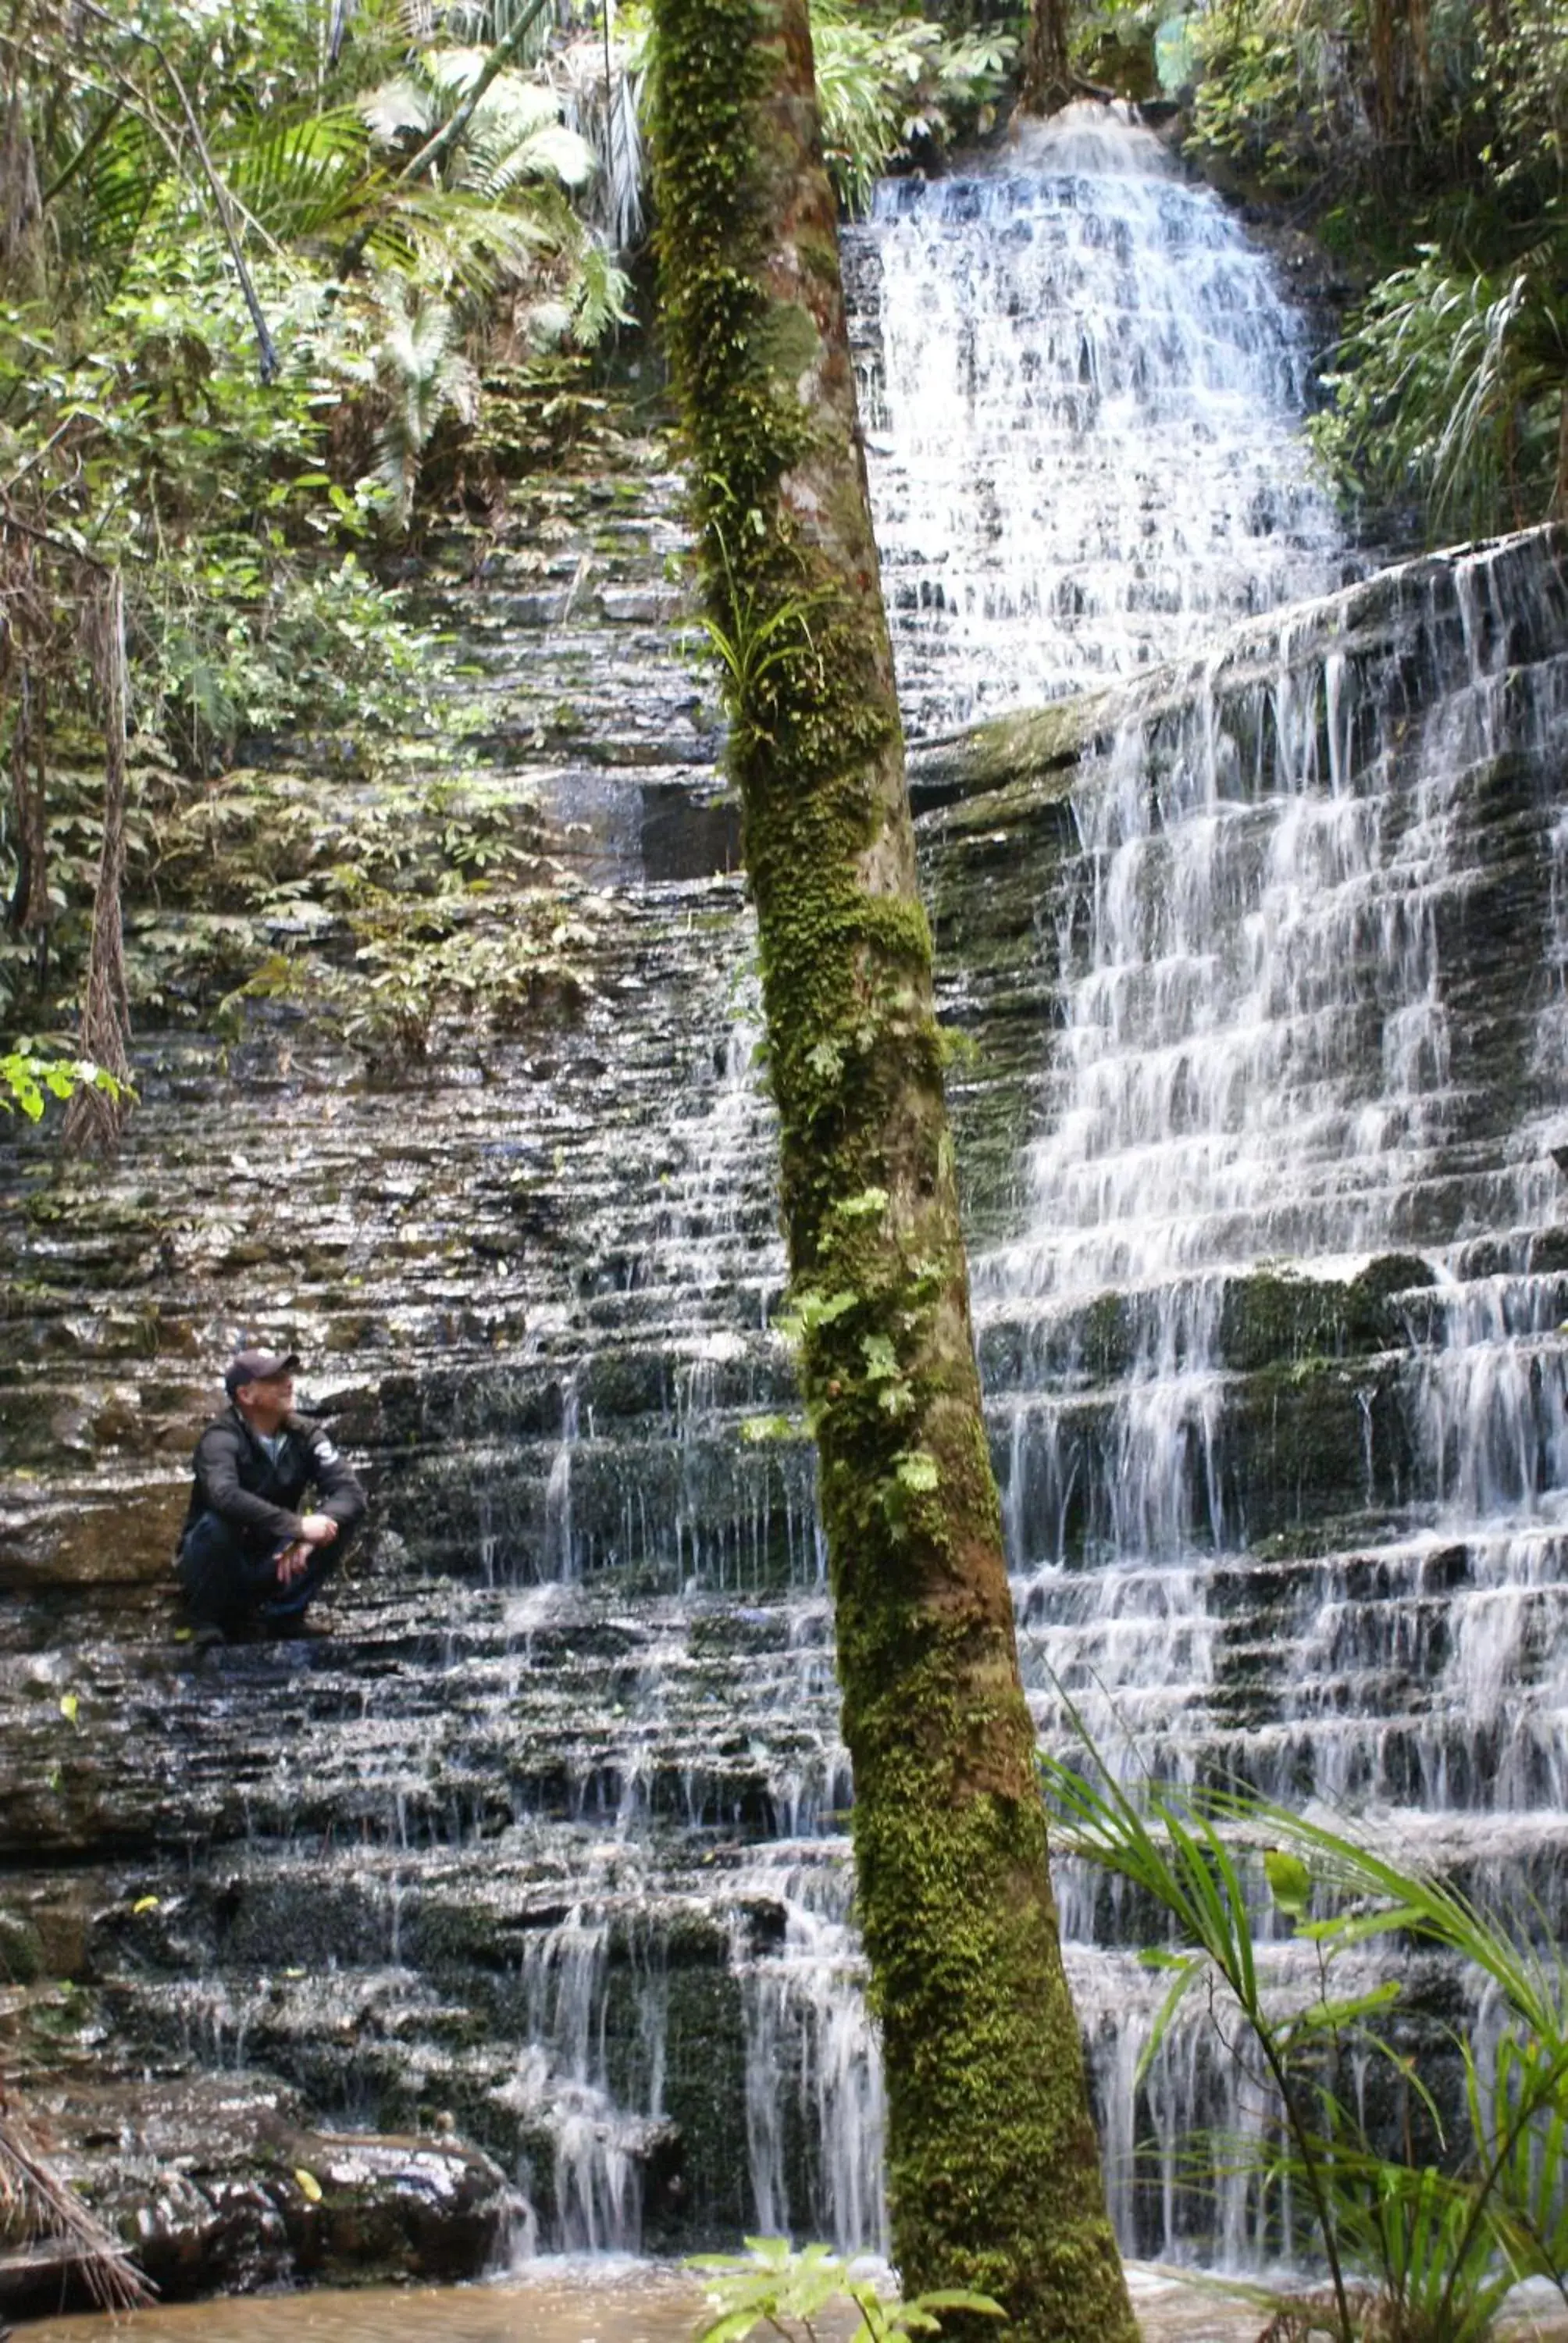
(1272, 1316)
(1392, 1273)
(1037, 747)
(1124, 65)
(21, 1957)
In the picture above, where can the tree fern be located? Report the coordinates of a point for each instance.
(516, 132)
(421, 375)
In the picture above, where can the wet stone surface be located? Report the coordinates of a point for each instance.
(539, 1857)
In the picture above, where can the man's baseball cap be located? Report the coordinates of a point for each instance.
(257, 1367)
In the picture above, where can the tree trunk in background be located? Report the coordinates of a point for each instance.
(1047, 79)
(93, 1117)
(1399, 37)
(29, 911)
(993, 2174)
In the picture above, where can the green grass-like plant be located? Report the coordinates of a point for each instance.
(1421, 2239)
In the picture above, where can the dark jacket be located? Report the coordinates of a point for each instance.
(238, 1479)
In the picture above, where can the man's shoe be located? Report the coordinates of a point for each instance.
(195, 1639)
(294, 1627)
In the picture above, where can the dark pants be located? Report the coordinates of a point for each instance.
(228, 1579)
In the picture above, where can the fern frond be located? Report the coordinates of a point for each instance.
(451, 240)
(398, 109)
(298, 180)
(602, 298)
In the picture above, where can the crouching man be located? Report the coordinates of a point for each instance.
(247, 1552)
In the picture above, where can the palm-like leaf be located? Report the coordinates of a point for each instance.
(606, 114)
(48, 2210)
(1450, 384)
(449, 239)
(401, 108)
(422, 374)
(516, 132)
(112, 191)
(502, 155)
(1443, 2245)
(300, 179)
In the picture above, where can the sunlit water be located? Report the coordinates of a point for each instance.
(1082, 391)
(569, 2303)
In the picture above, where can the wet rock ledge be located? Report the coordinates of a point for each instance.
(221, 2186)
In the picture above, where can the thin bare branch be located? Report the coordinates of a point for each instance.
(268, 362)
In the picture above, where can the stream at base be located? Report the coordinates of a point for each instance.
(579, 2302)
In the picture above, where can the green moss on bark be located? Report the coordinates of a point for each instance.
(993, 2175)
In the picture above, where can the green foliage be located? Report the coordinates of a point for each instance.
(1428, 143)
(771, 2286)
(247, 327)
(132, 404)
(384, 904)
(421, 377)
(1449, 394)
(886, 86)
(411, 973)
(761, 1431)
(28, 1079)
(768, 644)
(515, 133)
(1521, 92)
(1137, 48)
(388, 910)
(1277, 94)
(1424, 2237)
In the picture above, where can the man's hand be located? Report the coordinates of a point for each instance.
(315, 1529)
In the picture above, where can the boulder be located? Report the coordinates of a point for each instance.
(216, 2185)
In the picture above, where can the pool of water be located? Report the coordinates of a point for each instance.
(565, 2304)
(595, 2302)
(555, 2302)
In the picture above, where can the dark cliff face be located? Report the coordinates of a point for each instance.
(399, 1877)
(546, 1839)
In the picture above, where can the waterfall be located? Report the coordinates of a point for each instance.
(1265, 1140)
(1260, 1063)
(1080, 387)
(1283, 1444)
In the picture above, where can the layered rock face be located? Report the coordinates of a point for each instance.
(542, 1853)
(547, 1839)
(1275, 1360)
(440, 1866)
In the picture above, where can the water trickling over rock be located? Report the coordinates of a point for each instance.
(1267, 994)
(1080, 389)
(1275, 1354)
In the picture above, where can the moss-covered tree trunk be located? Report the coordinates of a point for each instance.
(992, 2169)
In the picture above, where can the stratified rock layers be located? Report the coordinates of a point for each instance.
(542, 1850)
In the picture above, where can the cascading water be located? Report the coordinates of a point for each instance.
(1080, 389)
(1267, 1093)
(1269, 1296)
(1083, 460)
